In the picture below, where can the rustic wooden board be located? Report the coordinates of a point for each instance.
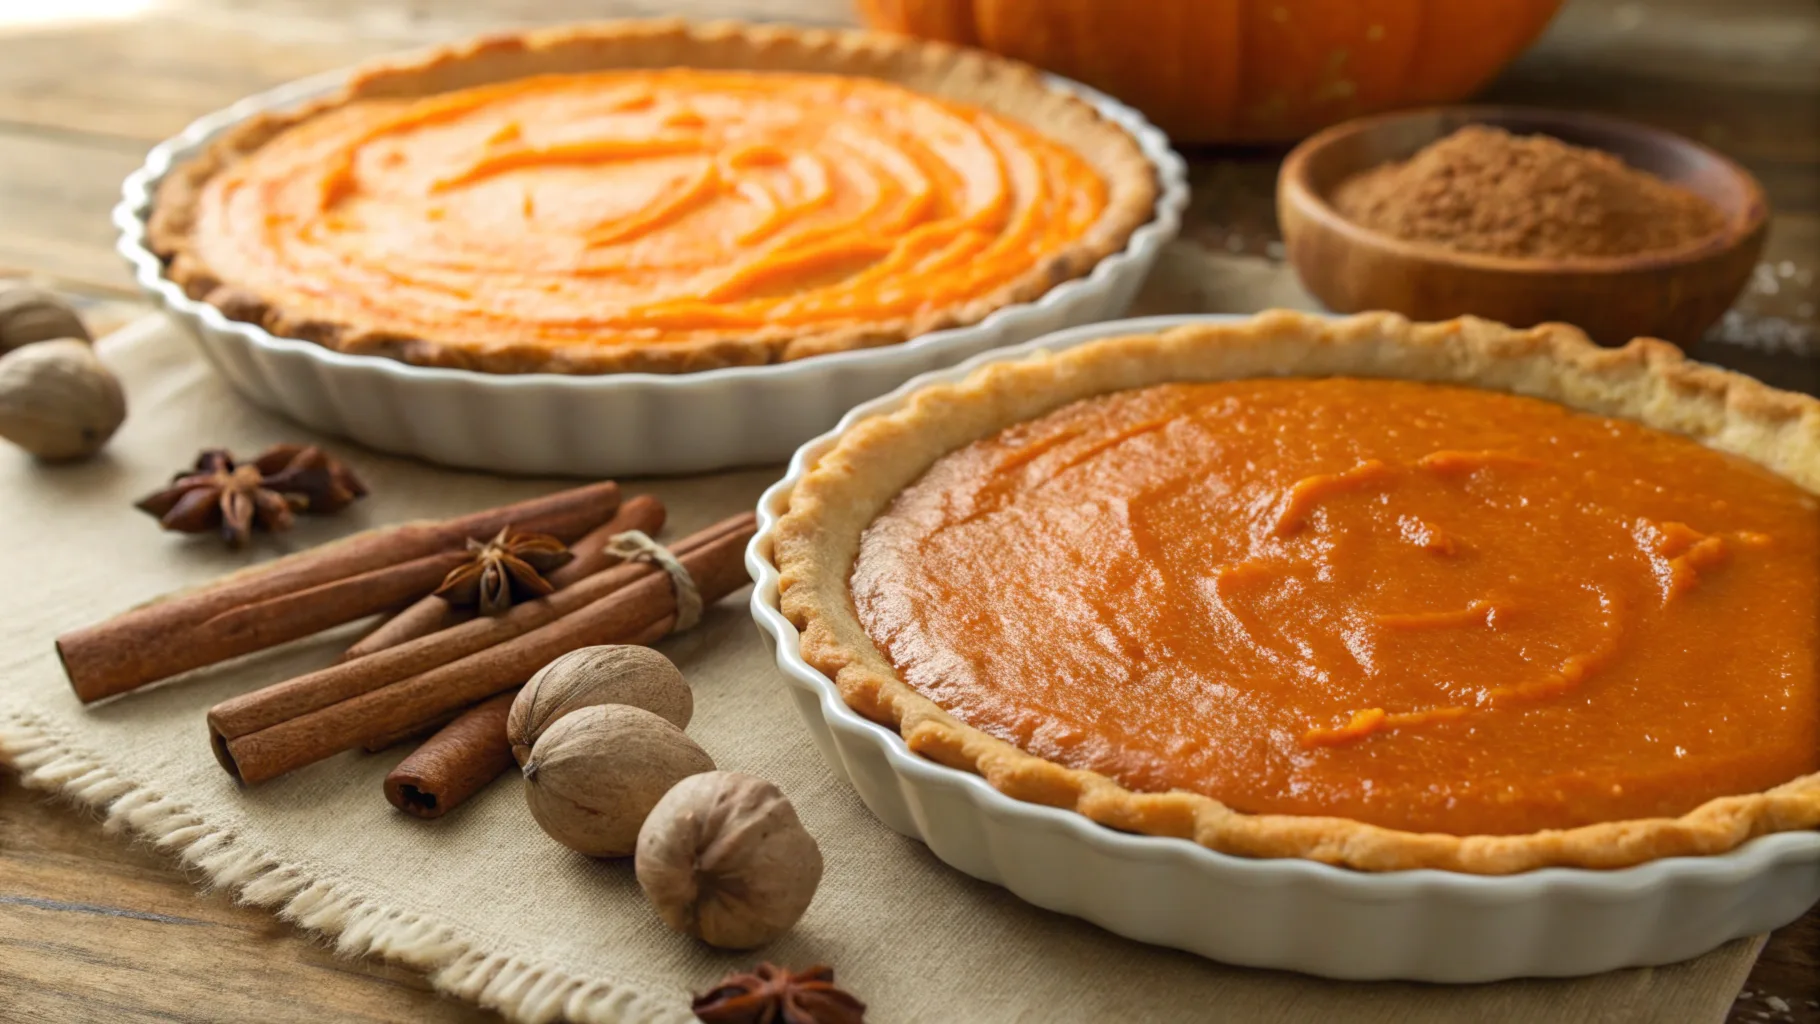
(55, 193)
(96, 927)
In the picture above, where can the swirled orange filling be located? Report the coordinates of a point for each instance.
(647, 207)
(1425, 607)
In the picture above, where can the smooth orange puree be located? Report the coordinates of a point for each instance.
(644, 206)
(1426, 607)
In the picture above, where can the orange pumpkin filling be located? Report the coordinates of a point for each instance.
(644, 207)
(1425, 607)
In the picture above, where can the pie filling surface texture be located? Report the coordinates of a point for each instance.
(1420, 606)
(643, 206)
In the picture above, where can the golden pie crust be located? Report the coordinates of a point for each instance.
(1646, 381)
(999, 86)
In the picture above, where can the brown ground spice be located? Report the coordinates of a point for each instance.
(1484, 190)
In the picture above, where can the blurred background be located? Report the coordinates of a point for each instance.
(87, 85)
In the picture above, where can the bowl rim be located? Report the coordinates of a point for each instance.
(131, 215)
(1732, 867)
(1294, 187)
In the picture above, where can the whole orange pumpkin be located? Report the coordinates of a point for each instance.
(1244, 70)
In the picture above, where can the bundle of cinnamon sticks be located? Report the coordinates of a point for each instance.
(432, 666)
(304, 594)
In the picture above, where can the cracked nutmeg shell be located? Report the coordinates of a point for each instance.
(57, 401)
(610, 674)
(724, 858)
(29, 315)
(594, 775)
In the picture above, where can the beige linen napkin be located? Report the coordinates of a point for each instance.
(498, 913)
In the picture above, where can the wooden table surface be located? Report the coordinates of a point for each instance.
(97, 927)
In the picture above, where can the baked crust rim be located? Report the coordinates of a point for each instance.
(998, 84)
(1647, 381)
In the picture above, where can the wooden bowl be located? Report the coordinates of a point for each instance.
(1674, 294)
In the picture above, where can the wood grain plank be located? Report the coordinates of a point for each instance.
(145, 78)
(1743, 77)
(103, 929)
(55, 194)
(1740, 42)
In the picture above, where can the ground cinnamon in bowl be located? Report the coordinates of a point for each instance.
(1483, 190)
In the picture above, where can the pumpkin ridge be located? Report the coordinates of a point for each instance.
(1244, 71)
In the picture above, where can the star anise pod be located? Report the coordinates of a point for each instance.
(238, 497)
(769, 994)
(508, 568)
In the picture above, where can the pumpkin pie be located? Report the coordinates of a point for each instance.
(653, 196)
(1381, 594)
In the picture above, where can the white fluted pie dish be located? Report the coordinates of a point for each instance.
(612, 424)
(1421, 925)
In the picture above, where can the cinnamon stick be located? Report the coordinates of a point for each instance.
(288, 617)
(464, 754)
(279, 702)
(171, 635)
(430, 614)
(456, 763)
(642, 512)
(433, 614)
(414, 731)
(286, 726)
(428, 728)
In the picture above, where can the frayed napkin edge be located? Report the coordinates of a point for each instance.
(522, 990)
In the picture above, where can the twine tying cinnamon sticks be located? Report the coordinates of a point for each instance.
(433, 614)
(282, 727)
(470, 751)
(637, 546)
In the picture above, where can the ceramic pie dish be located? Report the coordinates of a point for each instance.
(638, 388)
(1285, 911)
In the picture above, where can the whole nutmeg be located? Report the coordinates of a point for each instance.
(724, 858)
(57, 401)
(613, 674)
(29, 315)
(594, 775)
